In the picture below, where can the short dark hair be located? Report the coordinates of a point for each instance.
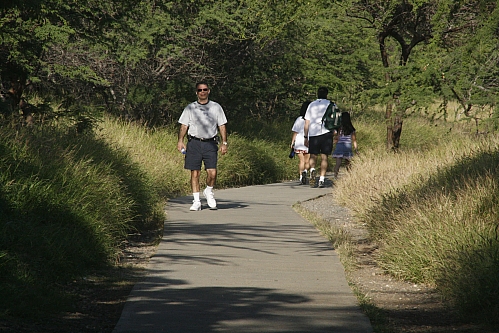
(202, 82)
(322, 93)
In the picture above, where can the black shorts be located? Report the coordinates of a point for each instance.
(201, 151)
(321, 144)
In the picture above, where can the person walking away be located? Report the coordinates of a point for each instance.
(344, 139)
(318, 139)
(199, 120)
(298, 143)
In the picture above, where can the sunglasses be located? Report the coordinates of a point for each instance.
(204, 89)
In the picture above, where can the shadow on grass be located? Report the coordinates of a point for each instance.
(471, 282)
(47, 236)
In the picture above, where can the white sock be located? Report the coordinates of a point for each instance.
(321, 178)
(208, 189)
(312, 169)
(196, 196)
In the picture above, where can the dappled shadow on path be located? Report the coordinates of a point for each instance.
(214, 309)
(257, 268)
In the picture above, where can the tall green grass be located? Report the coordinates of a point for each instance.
(66, 204)
(257, 154)
(432, 208)
(69, 201)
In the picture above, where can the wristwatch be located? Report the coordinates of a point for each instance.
(224, 143)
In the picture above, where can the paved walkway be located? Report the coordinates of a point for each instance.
(253, 265)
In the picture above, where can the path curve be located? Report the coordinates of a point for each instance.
(253, 265)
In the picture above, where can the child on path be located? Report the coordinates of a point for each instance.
(344, 139)
(298, 143)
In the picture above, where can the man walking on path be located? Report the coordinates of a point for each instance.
(258, 267)
(318, 139)
(199, 121)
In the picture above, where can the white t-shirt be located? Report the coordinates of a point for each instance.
(315, 112)
(203, 119)
(298, 127)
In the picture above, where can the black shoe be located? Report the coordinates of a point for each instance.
(304, 178)
(313, 175)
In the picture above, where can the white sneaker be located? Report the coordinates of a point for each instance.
(196, 205)
(211, 199)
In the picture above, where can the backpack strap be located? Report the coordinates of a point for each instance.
(329, 109)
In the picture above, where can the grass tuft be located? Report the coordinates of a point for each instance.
(432, 209)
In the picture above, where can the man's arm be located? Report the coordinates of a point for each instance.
(305, 131)
(223, 133)
(181, 135)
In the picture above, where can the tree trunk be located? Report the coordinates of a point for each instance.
(396, 132)
(392, 128)
(389, 126)
(394, 123)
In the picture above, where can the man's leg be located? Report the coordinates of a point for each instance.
(313, 172)
(323, 170)
(196, 205)
(326, 149)
(195, 180)
(312, 161)
(211, 177)
(323, 165)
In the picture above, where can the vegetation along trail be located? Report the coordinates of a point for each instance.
(90, 96)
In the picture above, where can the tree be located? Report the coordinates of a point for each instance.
(26, 28)
(470, 67)
(408, 23)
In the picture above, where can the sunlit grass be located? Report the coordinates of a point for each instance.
(432, 209)
(251, 158)
(69, 201)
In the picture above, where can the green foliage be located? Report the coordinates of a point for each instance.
(140, 60)
(67, 204)
(470, 67)
(109, 53)
(338, 55)
(69, 200)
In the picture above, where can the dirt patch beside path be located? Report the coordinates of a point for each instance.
(404, 307)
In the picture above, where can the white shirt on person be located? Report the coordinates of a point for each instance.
(315, 112)
(298, 128)
(203, 119)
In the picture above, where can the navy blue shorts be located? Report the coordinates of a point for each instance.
(321, 144)
(201, 151)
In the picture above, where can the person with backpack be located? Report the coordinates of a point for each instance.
(298, 143)
(318, 138)
(344, 139)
